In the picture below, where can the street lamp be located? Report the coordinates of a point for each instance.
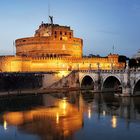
(90, 66)
(98, 66)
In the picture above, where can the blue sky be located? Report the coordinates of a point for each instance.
(101, 23)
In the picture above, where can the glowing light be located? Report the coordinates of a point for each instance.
(62, 73)
(64, 104)
(5, 125)
(64, 38)
(63, 47)
(57, 118)
(114, 121)
(104, 113)
(14, 118)
(89, 112)
(63, 65)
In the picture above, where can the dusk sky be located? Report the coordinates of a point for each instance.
(101, 23)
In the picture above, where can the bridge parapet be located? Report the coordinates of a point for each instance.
(134, 70)
(102, 71)
(128, 78)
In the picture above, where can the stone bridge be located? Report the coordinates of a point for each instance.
(125, 82)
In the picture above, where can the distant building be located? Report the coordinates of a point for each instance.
(54, 48)
(137, 55)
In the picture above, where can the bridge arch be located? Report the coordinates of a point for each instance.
(111, 83)
(136, 88)
(87, 82)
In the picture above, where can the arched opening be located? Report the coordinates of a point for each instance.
(112, 84)
(87, 83)
(51, 55)
(136, 90)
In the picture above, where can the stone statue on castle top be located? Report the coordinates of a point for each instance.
(51, 19)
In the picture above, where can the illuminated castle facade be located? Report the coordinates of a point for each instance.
(54, 48)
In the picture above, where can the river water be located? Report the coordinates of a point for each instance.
(80, 115)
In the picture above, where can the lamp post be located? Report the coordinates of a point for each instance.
(57, 66)
(78, 66)
(98, 66)
(111, 66)
(90, 66)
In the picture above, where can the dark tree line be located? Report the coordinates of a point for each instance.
(14, 82)
(133, 63)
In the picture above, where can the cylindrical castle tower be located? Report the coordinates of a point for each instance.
(50, 40)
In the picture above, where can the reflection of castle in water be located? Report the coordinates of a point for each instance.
(59, 120)
(62, 114)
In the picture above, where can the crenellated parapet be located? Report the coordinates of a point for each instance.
(54, 48)
(50, 41)
(26, 63)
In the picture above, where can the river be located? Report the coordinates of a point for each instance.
(77, 115)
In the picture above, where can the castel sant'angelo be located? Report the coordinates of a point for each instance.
(54, 48)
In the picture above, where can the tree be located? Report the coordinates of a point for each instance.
(133, 63)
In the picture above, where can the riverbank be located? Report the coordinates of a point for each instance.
(57, 90)
(37, 91)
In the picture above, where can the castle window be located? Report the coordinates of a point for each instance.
(55, 34)
(65, 33)
(60, 38)
(60, 33)
(70, 34)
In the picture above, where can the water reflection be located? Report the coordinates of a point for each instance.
(70, 116)
(114, 121)
(89, 111)
(59, 120)
(5, 124)
(104, 112)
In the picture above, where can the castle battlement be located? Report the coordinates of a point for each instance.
(54, 48)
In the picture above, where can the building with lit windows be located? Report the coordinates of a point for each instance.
(54, 48)
(137, 55)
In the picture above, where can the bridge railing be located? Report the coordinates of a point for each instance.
(102, 71)
(135, 70)
(132, 70)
